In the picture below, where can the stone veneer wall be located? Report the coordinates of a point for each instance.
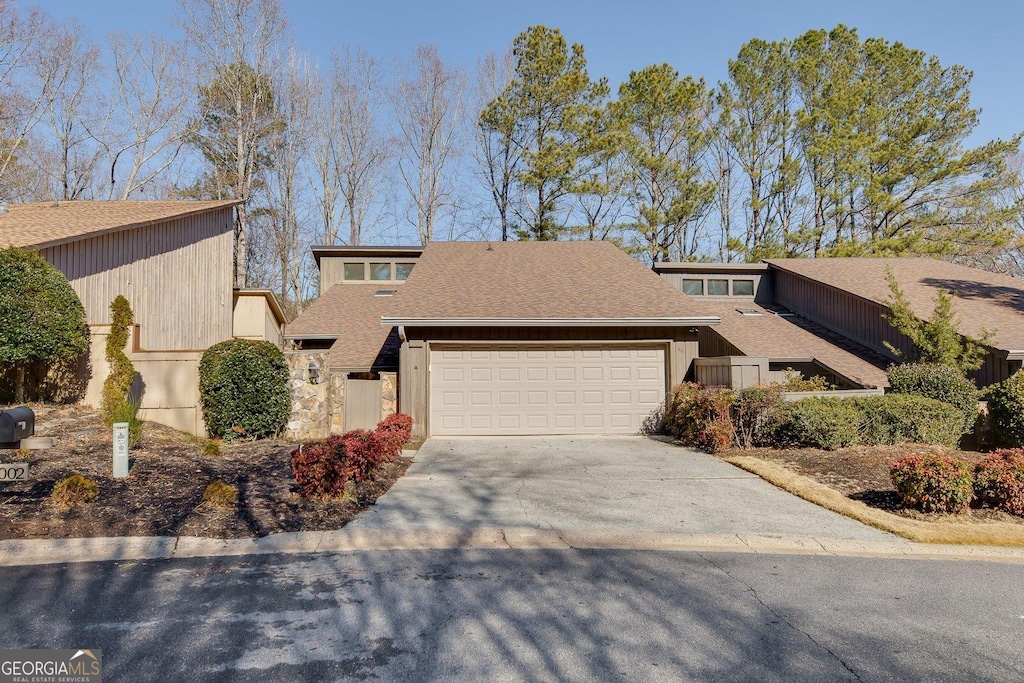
(318, 410)
(388, 394)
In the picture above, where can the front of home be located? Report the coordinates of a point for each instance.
(506, 337)
(511, 338)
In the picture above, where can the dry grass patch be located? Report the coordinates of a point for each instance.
(947, 529)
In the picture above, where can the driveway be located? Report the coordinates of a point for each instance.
(615, 484)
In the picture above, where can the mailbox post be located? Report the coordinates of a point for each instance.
(120, 450)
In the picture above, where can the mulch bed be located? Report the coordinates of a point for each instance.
(862, 473)
(162, 496)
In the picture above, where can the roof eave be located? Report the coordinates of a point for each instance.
(312, 337)
(395, 321)
(100, 232)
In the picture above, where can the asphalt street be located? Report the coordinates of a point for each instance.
(527, 615)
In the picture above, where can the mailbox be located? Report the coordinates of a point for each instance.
(17, 424)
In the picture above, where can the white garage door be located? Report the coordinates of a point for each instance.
(544, 390)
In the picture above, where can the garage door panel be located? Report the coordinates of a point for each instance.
(544, 391)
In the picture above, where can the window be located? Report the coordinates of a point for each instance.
(743, 288)
(380, 271)
(718, 288)
(402, 270)
(355, 271)
(693, 287)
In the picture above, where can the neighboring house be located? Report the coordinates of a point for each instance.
(172, 260)
(491, 338)
(826, 316)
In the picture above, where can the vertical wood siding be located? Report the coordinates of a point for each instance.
(176, 275)
(863, 321)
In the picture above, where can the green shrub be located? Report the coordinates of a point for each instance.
(73, 491)
(127, 410)
(758, 413)
(939, 382)
(243, 387)
(220, 494)
(795, 382)
(933, 483)
(700, 416)
(1006, 410)
(999, 481)
(118, 384)
(829, 423)
(43, 319)
(211, 447)
(904, 418)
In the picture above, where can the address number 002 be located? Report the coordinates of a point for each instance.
(13, 471)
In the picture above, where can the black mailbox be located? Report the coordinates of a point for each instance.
(17, 424)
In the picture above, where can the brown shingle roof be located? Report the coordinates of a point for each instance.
(983, 300)
(352, 313)
(535, 280)
(773, 336)
(40, 224)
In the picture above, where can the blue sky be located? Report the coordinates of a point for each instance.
(697, 38)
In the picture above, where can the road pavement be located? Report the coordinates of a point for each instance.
(423, 615)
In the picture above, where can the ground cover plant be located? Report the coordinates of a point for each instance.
(164, 492)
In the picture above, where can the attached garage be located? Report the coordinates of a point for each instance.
(510, 390)
(536, 338)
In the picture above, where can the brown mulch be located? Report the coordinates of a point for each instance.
(162, 496)
(862, 473)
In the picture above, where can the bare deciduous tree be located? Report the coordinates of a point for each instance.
(494, 151)
(154, 96)
(69, 71)
(235, 42)
(360, 149)
(428, 110)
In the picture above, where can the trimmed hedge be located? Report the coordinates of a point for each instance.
(938, 382)
(829, 423)
(243, 387)
(1006, 410)
(933, 483)
(905, 418)
(999, 481)
(700, 416)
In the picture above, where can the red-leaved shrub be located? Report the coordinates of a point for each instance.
(999, 480)
(700, 416)
(933, 483)
(395, 430)
(363, 451)
(319, 468)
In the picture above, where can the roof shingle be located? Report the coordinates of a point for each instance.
(535, 280)
(41, 224)
(352, 312)
(769, 335)
(983, 300)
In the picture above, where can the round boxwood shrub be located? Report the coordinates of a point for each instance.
(829, 423)
(1006, 410)
(43, 319)
(938, 382)
(933, 483)
(999, 480)
(243, 387)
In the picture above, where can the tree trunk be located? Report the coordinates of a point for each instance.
(20, 383)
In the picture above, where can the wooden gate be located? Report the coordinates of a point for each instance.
(362, 403)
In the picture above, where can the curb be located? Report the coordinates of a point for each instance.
(26, 552)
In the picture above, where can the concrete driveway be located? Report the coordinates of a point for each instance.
(615, 484)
